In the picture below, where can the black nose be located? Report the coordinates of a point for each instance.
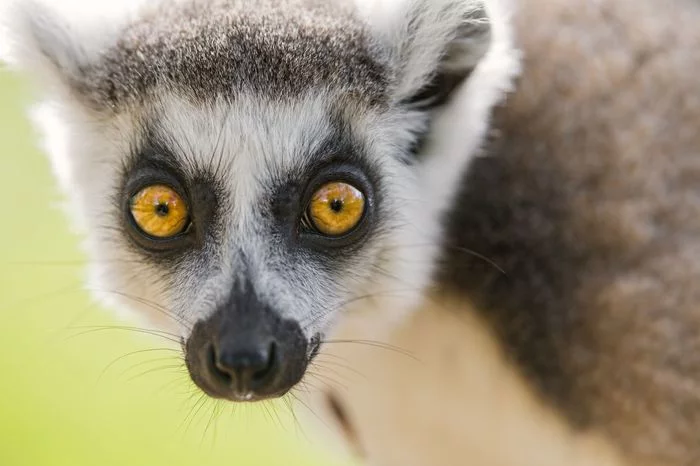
(242, 367)
(246, 352)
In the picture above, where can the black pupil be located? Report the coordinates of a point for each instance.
(336, 205)
(162, 209)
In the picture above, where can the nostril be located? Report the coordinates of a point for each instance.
(262, 373)
(216, 369)
(241, 365)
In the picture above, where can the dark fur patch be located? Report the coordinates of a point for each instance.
(341, 157)
(589, 200)
(153, 162)
(210, 48)
(343, 420)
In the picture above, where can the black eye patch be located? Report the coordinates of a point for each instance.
(343, 174)
(154, 165)
(339, 160)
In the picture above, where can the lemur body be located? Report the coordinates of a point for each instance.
(540, 262)
(580, 347)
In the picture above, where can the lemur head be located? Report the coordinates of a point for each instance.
(245, 172)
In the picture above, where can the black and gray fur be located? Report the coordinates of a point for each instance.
(589, 200)
(245, 108)
(218, 48)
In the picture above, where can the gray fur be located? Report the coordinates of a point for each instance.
(216, 48)
(588, 202)
(573, 249)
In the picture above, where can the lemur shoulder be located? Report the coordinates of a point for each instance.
(580, 346)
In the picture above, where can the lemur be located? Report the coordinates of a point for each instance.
(508, 190)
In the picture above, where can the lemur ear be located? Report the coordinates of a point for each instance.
(36, 36)
(432, 45)
(36, 39)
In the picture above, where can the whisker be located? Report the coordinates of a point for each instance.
(153, 371)
(375, 344)
(187, 421)
(299, 400)
(73, 288)
(125, 327)
(168, 385)
(130, 354)
(155, 306)
(297, 425)
(148, 361)
(208, 426)
(388, 293)
(328, 382)
(73, 263)
(325, 365)
(164, 335)
(442, 247)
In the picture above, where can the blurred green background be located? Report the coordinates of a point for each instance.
(65, 396)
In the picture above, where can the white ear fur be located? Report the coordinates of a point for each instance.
(459, 130)
(35, 38)
(55, 40)
(421, 38)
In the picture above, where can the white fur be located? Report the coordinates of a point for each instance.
(460, 129)
(41, 35)
(457, 401)
(414, 34)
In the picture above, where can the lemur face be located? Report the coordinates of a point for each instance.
(252, 223)
(247, 173)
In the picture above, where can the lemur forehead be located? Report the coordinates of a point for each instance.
(215, 48)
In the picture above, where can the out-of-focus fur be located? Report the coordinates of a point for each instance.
(583, 348)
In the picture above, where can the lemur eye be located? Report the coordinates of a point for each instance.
(336, 208)
(159, 211)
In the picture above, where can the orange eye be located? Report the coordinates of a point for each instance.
(336, 208)
(159, 211)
